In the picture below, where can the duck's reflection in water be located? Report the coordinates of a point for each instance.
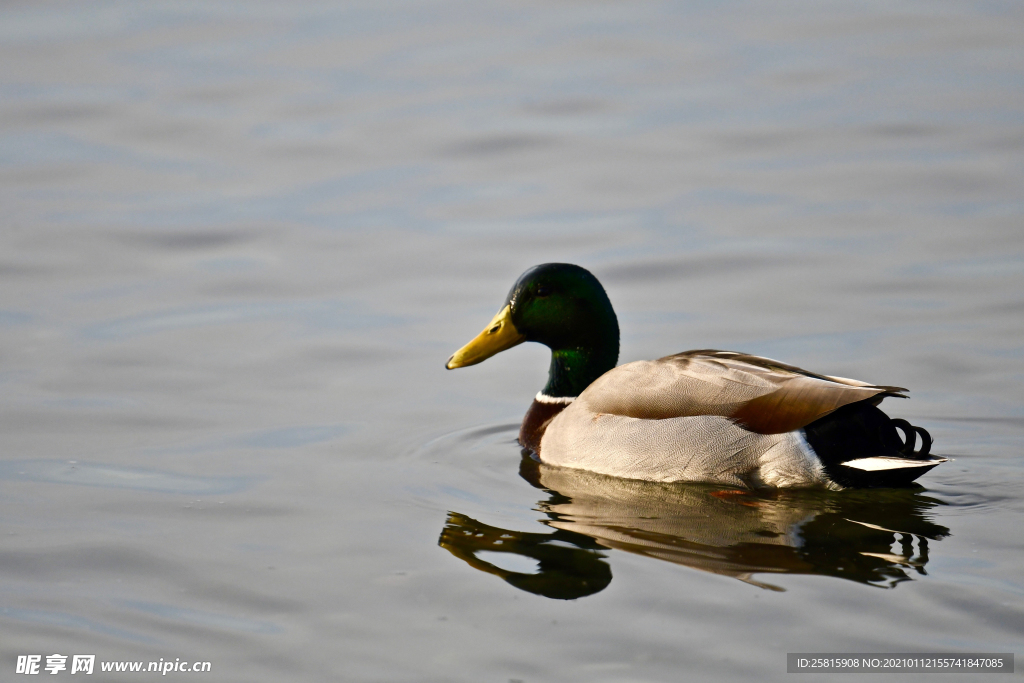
(879, 537)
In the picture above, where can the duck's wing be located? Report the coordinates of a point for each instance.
(760, 394)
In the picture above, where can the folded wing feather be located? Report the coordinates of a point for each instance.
(760, 394)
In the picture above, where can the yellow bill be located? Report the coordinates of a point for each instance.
(500, 334)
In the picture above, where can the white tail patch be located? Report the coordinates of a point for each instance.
(884, 463)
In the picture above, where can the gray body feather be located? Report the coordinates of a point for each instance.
(706, 448)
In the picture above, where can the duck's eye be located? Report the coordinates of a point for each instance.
(542, 290)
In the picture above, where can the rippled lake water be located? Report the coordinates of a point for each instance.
(240, 240)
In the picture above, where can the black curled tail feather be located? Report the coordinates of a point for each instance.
(910, 433)
(859, 431)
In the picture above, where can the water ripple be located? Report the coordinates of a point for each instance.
(115, 476)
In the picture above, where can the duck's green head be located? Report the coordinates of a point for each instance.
(563, 307)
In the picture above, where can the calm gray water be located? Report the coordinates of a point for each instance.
(239, 240)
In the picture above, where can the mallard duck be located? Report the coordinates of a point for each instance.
(698, 416)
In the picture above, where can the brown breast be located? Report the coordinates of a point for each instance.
(537, 419)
